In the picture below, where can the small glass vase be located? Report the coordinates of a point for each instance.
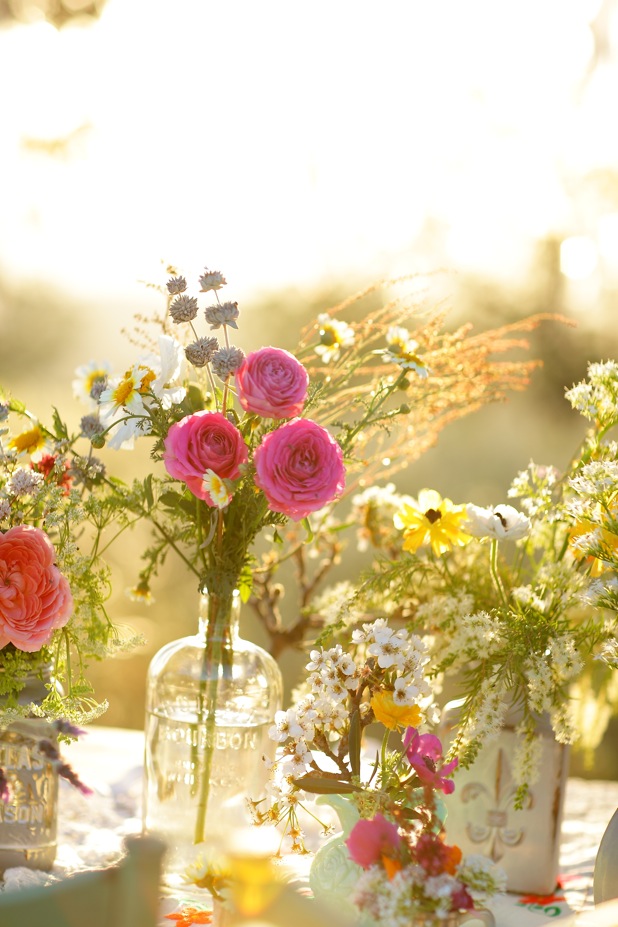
(29, 817)
(210, 700)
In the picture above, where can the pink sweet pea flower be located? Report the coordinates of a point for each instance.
(272, 383)
(299, 467)
(372, 839)
(35, 598)
(424, 753)
(202, 442)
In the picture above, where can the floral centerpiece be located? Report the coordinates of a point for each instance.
(519, 605)
(259, 444)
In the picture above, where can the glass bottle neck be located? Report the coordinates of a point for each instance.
(219, 616)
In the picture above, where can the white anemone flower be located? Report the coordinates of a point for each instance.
(125, 402)
(502, 522)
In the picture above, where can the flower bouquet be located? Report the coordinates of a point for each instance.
(53, 621)
(406, 869)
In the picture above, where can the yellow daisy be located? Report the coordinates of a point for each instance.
(28, 441)
(432, 520)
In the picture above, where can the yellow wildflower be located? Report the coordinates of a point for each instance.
(392, 715)
(432, 520)
(605, 539)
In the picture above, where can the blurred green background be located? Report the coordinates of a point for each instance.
(306, 152)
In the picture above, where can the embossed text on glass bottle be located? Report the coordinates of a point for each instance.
(28, 819)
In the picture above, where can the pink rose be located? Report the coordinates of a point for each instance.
(35, 598)
(200, 442)
(300, 468)
(272, 383)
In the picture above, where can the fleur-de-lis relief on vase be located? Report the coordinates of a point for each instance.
(491, 818)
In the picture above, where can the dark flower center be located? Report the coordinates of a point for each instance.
(432, 515)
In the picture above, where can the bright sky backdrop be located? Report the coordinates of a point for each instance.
(286, 143)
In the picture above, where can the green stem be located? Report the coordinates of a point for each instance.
(493, 569)
(213, 661)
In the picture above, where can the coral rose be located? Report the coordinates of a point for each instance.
(300, 468)
(35, 598)
(272, 383)
(200, 442)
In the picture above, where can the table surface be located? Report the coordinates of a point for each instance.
(109, 760)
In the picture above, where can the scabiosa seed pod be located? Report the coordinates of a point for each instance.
(183, 309)
(201, 352)
(212, 280)
(176, 285)
(99, 385)
(90, 426)
(227, 361)
(224, 314)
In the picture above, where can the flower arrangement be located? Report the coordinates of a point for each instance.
(379, 681)
(267, 443)
(380, 677)
(517, 605)
(54, 581)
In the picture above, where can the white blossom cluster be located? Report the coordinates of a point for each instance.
(411, 892)
(321, 716)
(336, 603)
(535, 487)
(597, 397)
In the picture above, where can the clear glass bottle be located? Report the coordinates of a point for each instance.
(210, 700)
(28, 819)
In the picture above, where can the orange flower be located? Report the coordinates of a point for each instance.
(452, 859)
(189, 915)
(391, 866)
(392, 715)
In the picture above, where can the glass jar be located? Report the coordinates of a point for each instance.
(210, 700)
(29, 817)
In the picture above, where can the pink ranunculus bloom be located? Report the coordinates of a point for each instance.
(300, 468)
(424, 753)
(200, 442)
(272, 383)
(370, 840)
(35, 598)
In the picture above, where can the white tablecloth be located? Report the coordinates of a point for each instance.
(109, 760)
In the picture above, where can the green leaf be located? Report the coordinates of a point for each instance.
(277, 539)
(308, 529)
(325, 786)
(245, 584)
(170, 498)
(354, 743)
(173, 500)
(59, 426)
(16, 406)
(148, 491)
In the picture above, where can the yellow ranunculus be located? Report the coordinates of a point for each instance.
(390, 714)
